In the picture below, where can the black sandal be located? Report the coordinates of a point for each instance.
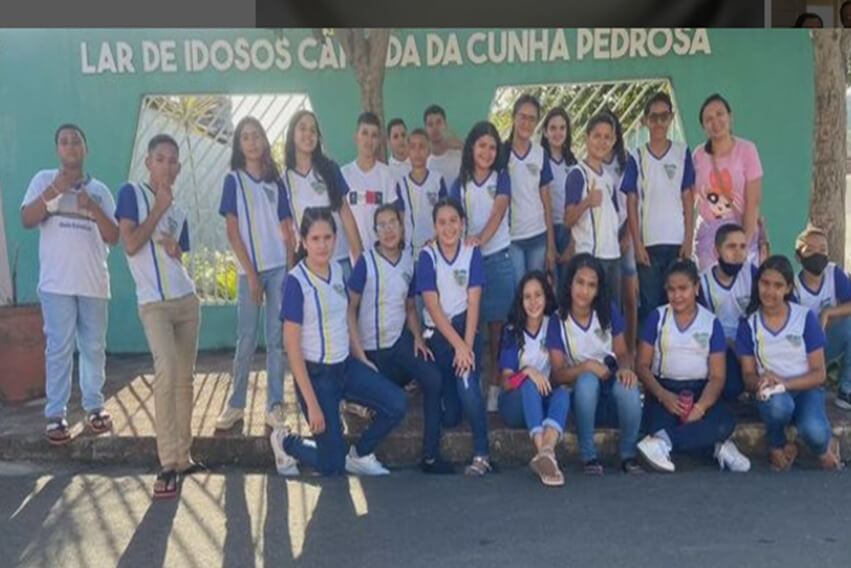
(99, 421)
(165, 486)
(57, 432)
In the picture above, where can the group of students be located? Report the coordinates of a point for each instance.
(381, 274)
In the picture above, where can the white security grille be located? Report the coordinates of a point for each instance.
(203, 127)
(584, 100)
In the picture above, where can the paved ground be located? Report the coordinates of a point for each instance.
(104, 517)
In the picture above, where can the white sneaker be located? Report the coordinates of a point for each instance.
(493, 398)
(284, 463)
(729, 457)
(275, 417)
(229, 417)
(364, 465)
(656, 453)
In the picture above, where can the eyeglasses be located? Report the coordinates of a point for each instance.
(385, 226)
(659, 117)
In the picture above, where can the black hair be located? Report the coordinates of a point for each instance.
(69, 126)
(395, 122)
(369, 118)
(799, 22)
(313, 215)
(724, 231)
(237, 158)
(524, 99)
(447, 202)
(685, 266)
(778, 263)
(422, 132)
(398, 212)
(602, 302)
(566, 148)
(433, 109)
(326, 169)
(842, 7)
(517, 317)
(619, 149)
(659, 97)
(714, 97)
(162, 139)
(479, 130)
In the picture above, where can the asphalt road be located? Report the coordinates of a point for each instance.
(700, 517)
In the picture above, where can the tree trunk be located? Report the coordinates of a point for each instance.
(366, 52)
(827, 202)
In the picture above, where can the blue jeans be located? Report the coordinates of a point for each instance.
(400, 364)
(526, 407)
(460, 398)
(353, 381)
(528, 255)
(70, 320)
(651, 279)
(562, 242)
(806, 409)
(839, 347)
(734, 385)
(612, 275)
(248, 322)
(605, 403)
(699, 437)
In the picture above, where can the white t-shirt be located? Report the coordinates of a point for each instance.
(158, 276)
(71, 253)
(559, 170)
(728, 303)
(319, 306)
(448, 165)
(399, 169)
(682, 354)
(615, 173)
(580, 344)
(529, 173)
(367, 192)
(835, 289)
(596, 231)
(450, 278)
(784, 352)
(384, 287)
(534, 352)
(418, 201)
(259, 207)
(478, 201)
(659, 183)
(304, 191)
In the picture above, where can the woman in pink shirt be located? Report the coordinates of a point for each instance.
(729, 182)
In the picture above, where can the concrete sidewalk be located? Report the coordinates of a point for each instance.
(132, 442)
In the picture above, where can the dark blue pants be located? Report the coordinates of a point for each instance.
(735, 383)
(400, 364)
(698, 437)
(651, 279)
(353, 381)
(460, 398)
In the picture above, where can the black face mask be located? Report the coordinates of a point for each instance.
(730, 268)
(815, 263)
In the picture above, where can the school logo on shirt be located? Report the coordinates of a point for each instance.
(319, 187)
(534, 169)
(340, 289)
(171, 224)
(492, 190)
(602, 334)
(743, 302)
(270, 193)
(460, 276)
(825, 303)
(407, 277)
(671, 170)
(795, 340)
(432, 198)
(701, 338)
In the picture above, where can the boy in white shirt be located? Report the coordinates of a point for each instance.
(155, 235)
(370, 182)
(73, 213)
(445, 155)
(397, 138)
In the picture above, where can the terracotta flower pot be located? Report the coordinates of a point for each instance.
(21, 353)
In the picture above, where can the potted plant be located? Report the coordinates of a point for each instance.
(21, 347)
